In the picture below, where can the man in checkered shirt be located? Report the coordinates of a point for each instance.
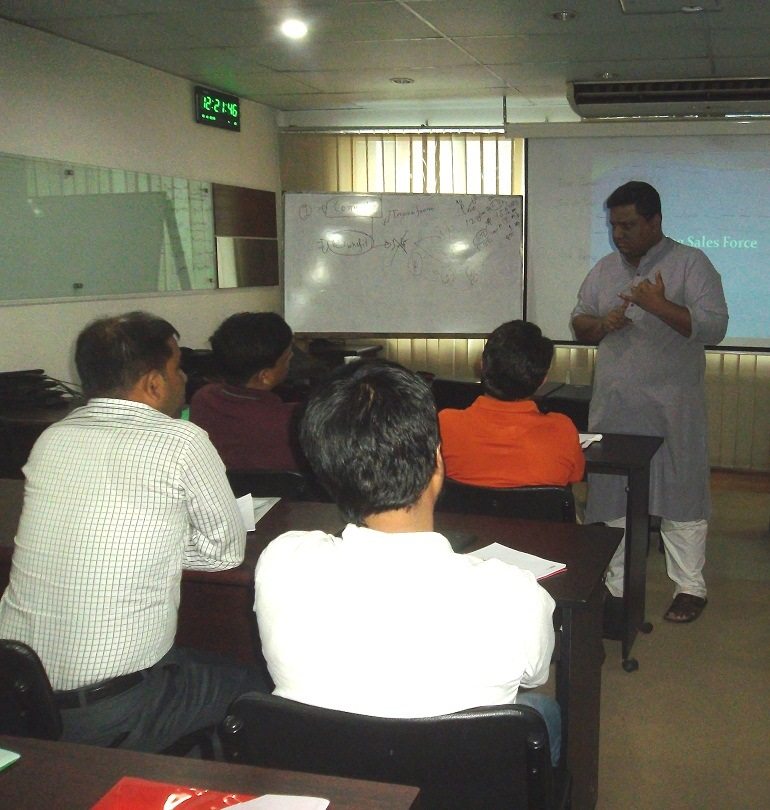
(120, 497)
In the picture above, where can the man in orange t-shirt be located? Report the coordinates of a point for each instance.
(502, 439)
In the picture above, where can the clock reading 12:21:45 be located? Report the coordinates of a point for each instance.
(217, 109)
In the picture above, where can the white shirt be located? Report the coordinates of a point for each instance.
(398, 625)
(119, 499)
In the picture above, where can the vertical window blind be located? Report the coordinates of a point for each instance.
(488, 163)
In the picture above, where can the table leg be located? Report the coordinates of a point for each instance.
(578, 690)
(635, 575)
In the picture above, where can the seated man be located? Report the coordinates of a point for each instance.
(120, 497)
(502, 439)
(251, 427)
(386, 619)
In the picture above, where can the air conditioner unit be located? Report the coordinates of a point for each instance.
(702, 98)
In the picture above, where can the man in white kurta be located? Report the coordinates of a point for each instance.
(652, 306)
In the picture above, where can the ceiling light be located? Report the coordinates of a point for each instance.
(294, 29)
(402, 80)
(563, 16)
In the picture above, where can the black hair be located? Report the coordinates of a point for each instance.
(515, 360)
(248, 342)
(635, 192)
(112, 354)
(370, 434)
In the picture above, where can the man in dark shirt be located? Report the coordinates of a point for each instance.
(250, 426)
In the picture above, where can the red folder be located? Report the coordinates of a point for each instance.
(131, 793)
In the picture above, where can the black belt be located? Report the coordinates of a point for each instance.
(75, 698)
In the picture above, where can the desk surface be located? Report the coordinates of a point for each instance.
(620, 451)
(59, 774)
(583, 548)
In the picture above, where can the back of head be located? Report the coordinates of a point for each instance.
(112, 354)
(644, 196)
(370, 434)
(515, 360)
(248, 342)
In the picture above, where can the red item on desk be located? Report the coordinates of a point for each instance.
(131, 793)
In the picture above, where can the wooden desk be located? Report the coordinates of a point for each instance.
(59, 774)
(629, 455)
(216, 611)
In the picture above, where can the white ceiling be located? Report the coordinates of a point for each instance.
(460, 53)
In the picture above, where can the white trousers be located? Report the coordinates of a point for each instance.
(685, 544)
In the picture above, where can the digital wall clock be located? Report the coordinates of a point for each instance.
(217, 109)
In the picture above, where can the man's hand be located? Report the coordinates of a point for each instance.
(649, 295)
(615, 319)
(592, 329)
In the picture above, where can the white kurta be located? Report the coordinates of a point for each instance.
(398, 625)
(649, 378)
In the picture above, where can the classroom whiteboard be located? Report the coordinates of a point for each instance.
(402, 263)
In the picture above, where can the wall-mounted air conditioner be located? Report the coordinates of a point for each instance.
(703, 98)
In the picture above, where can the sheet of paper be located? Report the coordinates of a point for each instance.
(272, 801)
(540, 567)
(7, 758)
(262, 506)
(252, 509)
(589, 438)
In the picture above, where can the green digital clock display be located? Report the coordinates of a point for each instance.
(217, 109)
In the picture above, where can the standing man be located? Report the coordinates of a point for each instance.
(120, 497)
(651, 307)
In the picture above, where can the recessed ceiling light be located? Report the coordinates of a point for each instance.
(563, 16)
(294, 29)
(402, 80)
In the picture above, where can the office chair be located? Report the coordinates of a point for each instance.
(289, 484)
(454, 393)
(555, 504)
(27, 705)
(485, 758)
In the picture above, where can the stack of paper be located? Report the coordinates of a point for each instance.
(252, 509)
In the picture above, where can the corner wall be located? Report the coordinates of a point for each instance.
(65, 101)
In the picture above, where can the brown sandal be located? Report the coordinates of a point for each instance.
(685, 608)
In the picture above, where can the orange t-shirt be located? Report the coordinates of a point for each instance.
(494, 443)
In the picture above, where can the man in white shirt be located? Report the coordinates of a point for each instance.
(386, 619)
(120, 497)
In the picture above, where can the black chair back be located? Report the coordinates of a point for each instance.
(289, 484)
(532, 503)
(491, 757)
(454, 393)
(27, 706)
